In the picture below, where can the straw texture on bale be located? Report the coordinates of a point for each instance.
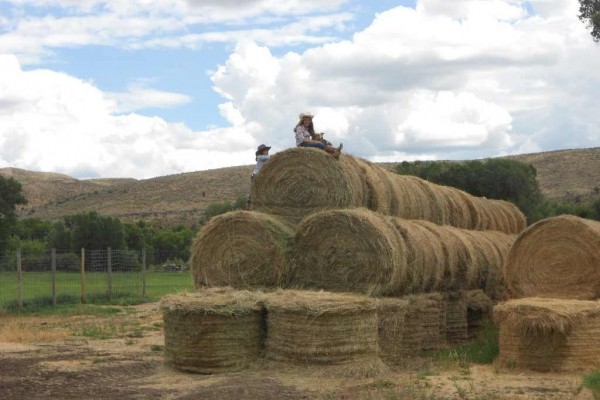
(213, 330)
(357, 250)
(549, 334)
(299, 181)
(432, 319)
(558, 257)
(456, 317)
(394, 343)
(479, 308)
(242, 249)
(306, 328)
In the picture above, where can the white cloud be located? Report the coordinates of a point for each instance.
(139, 96)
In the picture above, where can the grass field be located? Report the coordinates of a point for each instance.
(126, 287)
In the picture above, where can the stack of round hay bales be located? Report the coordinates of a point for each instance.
(558, 257)
(213, 330)
(242, 249)
(324, 329)
(299, 181)
(357, 250)
(456, 317)
(549, 334)
(479, 308)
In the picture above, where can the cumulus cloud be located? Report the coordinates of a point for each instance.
(139, 96)
(59, 123)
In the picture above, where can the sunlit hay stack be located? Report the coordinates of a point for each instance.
(479, 309)
(514, 217)
(549, 334)
(353, 250)
(322, 329)
(558, 257)
(456, 317)
(213, 330)
(357, 250)
(394, 342)
(299, 181)
(242, 249)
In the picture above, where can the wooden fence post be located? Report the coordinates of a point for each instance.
(53, 276)
(19, 280)
(143, 273)
(109, 270)
(83, 276)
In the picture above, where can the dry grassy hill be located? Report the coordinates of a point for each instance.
(181, 198)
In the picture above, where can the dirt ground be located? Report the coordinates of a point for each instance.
(119, 356)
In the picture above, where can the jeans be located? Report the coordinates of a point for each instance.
(312, 144)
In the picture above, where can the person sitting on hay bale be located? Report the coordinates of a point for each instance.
(262, 155)
(305, 133)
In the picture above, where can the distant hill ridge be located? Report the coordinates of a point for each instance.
(572, 175)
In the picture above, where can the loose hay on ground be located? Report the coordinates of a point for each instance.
(549, 334)
(557, 257)
(320, 329)
(213, 330)
(242, 249)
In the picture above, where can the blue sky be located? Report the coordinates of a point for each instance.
(149, 88)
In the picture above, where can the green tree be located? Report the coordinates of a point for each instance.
(589, 12)
(10, 197)
(60, 237)
(175, 243)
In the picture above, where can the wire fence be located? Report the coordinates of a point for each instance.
(88, 276)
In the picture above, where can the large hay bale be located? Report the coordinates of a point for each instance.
(431, 316)
(549, 334)
(394, 341)
(306, 328)
(456, 317)
(211, 331)
(299, 181)
(352, 250)
(557, 257)
(357, 250)
(242, 249)
(479, 308)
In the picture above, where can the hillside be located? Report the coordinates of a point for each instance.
(566, 174)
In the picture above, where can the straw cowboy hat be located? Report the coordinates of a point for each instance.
(306, 115)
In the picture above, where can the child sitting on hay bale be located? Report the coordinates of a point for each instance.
(305, 136)
(262, 155)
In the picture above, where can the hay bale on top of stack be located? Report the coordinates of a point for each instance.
(213, 330)
(299, 181)
(555, 266)
(339, 330)
(549, 334)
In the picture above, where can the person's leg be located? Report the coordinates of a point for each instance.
(314, 145)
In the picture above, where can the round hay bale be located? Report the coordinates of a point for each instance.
(479, 308)
(488, 260)
(549, 334)
(557, 257)
(212, 331)
(298, 181)
(461, 256)
(440, 261)
(242, 249)
(306, 328)
(352, 250)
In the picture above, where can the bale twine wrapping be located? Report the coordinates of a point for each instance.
(549, 334)
(242, 249)
(557, 257)
(306, 328)
(211, 331)
(479, 308)
(298, 181)
(357, 250)
(456, 317)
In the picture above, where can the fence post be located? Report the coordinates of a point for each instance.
(53, 276)
(109, 270)
(19, 280)
(82, 275)
(143, 273)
